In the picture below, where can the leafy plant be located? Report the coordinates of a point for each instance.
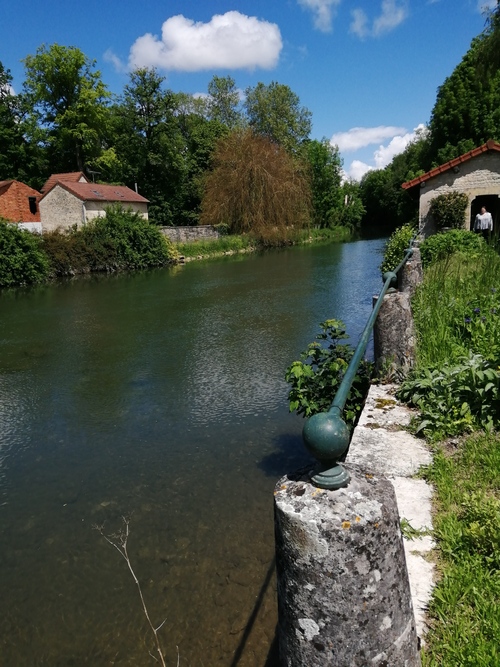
(316, 379)
(394, 251)
(448, 210)
(440, 246)
(454, 398)
(22, 259)
(119, 240)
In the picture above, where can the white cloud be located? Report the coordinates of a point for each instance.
(359, 137)
(323, 12)
(111, 57)
(392, 14)
(358, 169)
(384, 154)
(228, 41)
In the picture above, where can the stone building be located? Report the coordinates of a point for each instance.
(476, 173)
(69, 199)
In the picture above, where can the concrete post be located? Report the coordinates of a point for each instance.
(343, 592)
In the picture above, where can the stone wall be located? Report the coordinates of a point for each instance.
(477, 177)
(60, 209)
(190, 234)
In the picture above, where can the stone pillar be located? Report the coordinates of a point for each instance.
(411, 274)
(343, 592)
(394, 339)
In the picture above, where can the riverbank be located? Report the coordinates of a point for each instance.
(244, 244)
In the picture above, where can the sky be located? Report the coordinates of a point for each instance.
(368, 70)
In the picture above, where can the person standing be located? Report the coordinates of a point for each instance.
(483, 224)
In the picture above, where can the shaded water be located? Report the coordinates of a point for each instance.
(159, 396)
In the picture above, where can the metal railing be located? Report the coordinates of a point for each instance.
(326, 435)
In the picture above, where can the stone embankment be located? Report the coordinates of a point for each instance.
(381, 445)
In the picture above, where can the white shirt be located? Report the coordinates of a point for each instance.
(483, 221)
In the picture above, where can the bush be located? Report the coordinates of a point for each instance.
(455, 398)
(119, 240)
(396, 246)
(440, 246)
(448, 210)
(22, 259)
(315, 380)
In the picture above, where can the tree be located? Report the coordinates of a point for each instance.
(255, 187)
(67, 102)
(148, 143)
(224, 102)
(467, 109)
(11, 138)
(325, 167)
(275, 112)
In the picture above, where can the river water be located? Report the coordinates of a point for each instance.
(158, 397)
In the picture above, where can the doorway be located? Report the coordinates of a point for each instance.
(492, 204)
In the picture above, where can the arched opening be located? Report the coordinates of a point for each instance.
(492, 204)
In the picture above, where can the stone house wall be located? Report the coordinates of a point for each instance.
(478, 177)
(60, 209)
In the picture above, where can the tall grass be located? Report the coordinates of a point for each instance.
(457, 309)
(456, 386)
(464, 612)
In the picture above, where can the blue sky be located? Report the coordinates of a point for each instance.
(368, 70)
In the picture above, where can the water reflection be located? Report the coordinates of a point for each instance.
(161, 396)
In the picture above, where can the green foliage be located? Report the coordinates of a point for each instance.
(224, 102)
(464, 620)
(325, 171)
(67, 102)
(22, 260)
(441, 246)
(119, 240)
(274, 112)
(448, 210)
(454, 398)
(456, 381)
(395, 248)
(316, 379)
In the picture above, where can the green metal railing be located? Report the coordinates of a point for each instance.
(326, 435)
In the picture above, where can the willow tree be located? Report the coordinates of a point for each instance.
(256, 187)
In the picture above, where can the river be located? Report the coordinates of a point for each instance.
(158, 397)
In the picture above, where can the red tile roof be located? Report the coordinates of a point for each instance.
(488, 146)
(104, 193)
(14, 202)
(71, 177)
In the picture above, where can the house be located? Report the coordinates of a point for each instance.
(71, 177)
(69, 199)
(19, 203)
(476, 173)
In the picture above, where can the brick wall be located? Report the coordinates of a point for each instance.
(14, 202)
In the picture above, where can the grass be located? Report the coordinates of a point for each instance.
(457, 317)
(245, 243)
(465, 608)
(457, 309)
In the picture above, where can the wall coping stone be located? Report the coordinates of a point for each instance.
(380, 444)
